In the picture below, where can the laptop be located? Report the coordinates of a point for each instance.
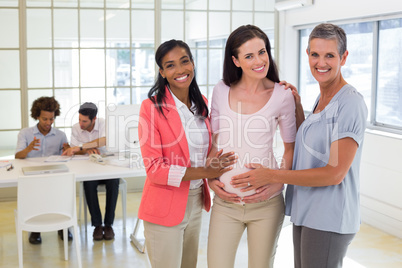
(46, 169)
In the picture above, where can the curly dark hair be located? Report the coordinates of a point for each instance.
(48, 104)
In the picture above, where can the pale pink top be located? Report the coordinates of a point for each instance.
(250, 136)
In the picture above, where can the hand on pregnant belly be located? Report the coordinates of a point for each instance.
(227, 177)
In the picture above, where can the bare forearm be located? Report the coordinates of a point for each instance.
(287, 158)
(101, 142)
(195, 173)
(22, 154)
(214, 168)
(90, 145)
(342, 153)
(207, 172)
(317, 177)
(95, 143)
(299, 115)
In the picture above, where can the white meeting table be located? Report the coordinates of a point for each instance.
(84, 170)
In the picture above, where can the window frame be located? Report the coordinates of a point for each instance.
(373, 124)
(258, 12)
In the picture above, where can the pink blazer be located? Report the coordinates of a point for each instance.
(163, 143)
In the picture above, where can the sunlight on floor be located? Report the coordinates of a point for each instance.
(347, 262)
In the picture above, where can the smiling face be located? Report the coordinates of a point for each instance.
(46, 120)
(253, 58)
(178, 69)
(325, 61)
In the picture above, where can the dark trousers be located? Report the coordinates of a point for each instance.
(319, 249)
(91, 195)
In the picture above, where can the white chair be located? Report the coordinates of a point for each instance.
(102, 188)
(52, 208)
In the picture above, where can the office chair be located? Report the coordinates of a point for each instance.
(53, 208)
(102, 188)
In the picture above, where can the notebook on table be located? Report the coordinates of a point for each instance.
(46, 169)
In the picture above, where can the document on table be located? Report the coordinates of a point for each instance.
(5, 163)
(80, 157)
(58, 158)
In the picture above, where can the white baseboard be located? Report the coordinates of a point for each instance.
(383, 216)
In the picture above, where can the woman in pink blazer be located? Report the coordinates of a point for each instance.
(175, 139)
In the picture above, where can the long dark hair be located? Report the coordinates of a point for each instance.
(232, 73)
(157, 93)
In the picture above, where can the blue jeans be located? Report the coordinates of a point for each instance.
(91, 195)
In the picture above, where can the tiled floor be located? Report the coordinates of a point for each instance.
(370, 249)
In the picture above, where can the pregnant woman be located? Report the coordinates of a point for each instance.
(247, 107)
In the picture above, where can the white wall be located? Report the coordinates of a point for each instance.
(381, 169)
(381, 182)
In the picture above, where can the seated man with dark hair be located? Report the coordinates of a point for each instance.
(86, 137)
(42, 140)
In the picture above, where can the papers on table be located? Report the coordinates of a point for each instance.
(65, 158)
(5, 163)
(58, 158)
(80, 157)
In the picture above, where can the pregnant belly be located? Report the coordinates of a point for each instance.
(227, 177)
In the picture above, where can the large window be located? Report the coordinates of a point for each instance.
(10, 82)
(389, 81)
(380, 84)
(103, 51)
